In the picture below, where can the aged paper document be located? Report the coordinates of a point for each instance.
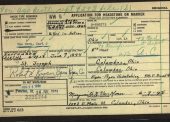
(85, 59)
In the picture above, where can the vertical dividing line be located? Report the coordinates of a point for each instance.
(46, 24)
(108, 39)
(2, 63)
(67, 89)
(131, 29)
(86, 45)
(160, 59)
(169, 56)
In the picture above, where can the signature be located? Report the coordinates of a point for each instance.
(96, 94)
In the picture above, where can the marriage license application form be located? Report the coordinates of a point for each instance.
(85, 59)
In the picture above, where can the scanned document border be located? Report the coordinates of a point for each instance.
(86, 55)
